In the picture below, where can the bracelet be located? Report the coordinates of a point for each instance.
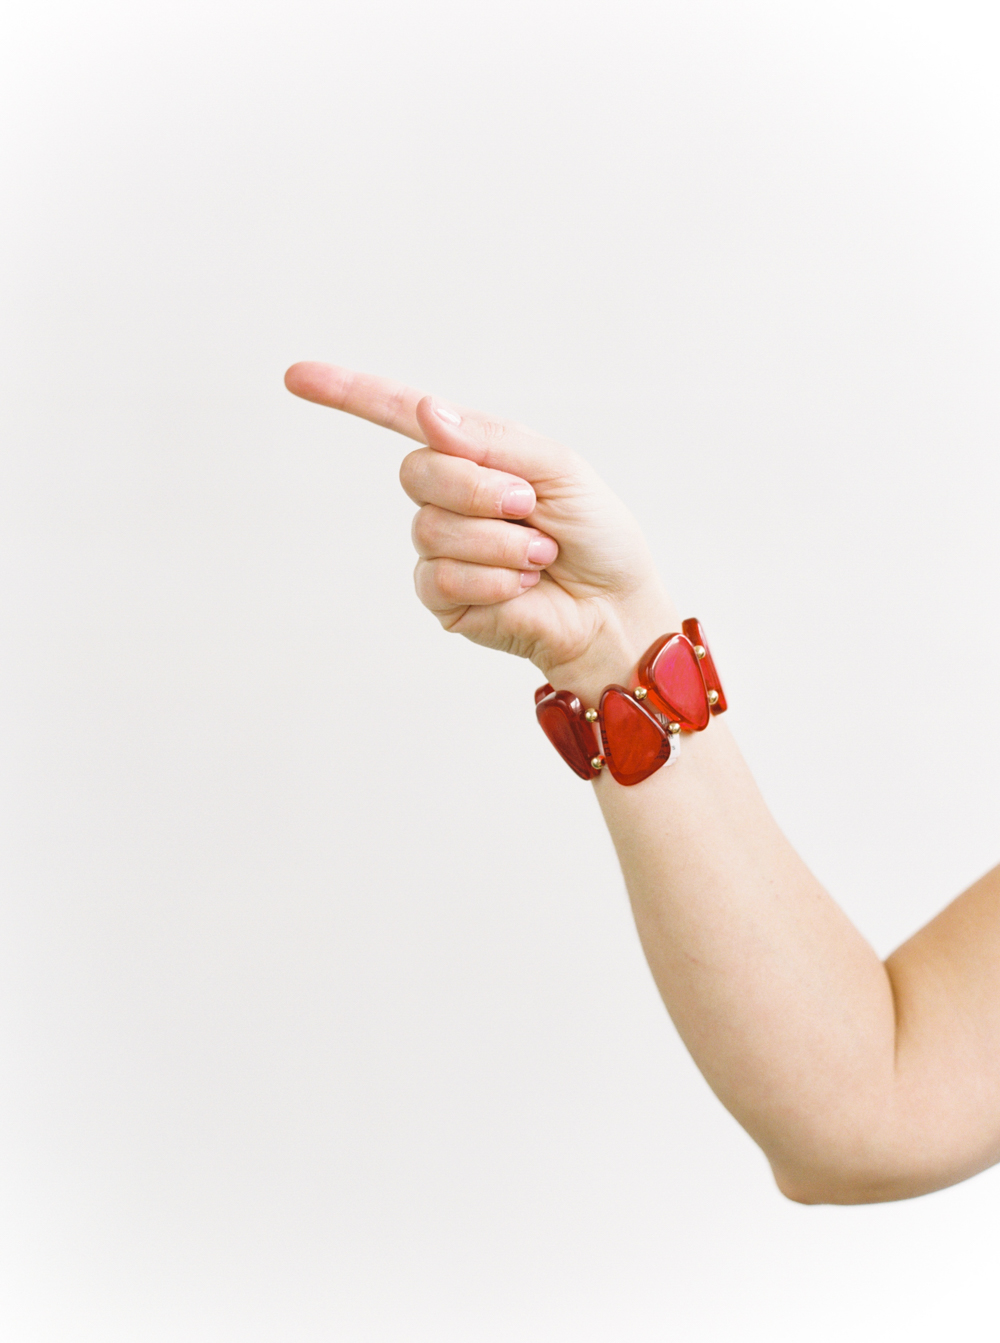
(677, 689)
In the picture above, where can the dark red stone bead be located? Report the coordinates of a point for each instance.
(671, 673)
(542, 691)
(635, 743)
(692, 628)
(561, 716)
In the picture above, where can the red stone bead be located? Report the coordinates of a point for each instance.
(692, 628)
(671, 673)
(635, 743)
(542, 691)
(561, 716)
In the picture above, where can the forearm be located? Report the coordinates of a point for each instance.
(786, 1009)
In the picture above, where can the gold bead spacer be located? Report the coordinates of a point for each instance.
(640, 692)
(591, 715)
(699, 651)
(673, 728)
(713, 697)
(597, 762)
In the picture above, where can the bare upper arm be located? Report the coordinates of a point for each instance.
(946, 985)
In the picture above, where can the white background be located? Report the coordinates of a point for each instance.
(322, 1012)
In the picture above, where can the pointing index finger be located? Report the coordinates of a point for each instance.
(380, 400)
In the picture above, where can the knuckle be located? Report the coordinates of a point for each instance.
(424, 530)
(448, 579)
(412, 471)
(438, 584)
(394, 406)
(484, 496)
(496, 585)
(420, 579)
(515, 546)
(503, 585)
(491, 434)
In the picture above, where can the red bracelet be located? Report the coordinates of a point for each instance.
(677, 689)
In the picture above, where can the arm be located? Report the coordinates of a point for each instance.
(860, 1081)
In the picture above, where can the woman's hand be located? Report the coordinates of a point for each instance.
(522, 546)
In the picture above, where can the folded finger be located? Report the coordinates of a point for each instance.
(438, 534)
(493, 442)
(461, 486)
(445, 585)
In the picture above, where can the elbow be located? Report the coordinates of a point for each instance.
(845, 1177)
(799, 1188)
(795, 1190)
(848, 1187)
(811, 1191)
(855, 1161)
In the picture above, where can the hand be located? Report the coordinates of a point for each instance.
(522, 546)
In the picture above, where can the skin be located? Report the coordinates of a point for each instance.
(861, 1081)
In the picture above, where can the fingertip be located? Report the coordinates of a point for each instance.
(291, 378)
(313, 381)
(542, 550)
(424, 411)
(518, 500)
(445, 429)
(433, 415)
(444, 413)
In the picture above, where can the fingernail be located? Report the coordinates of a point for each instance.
(443, 413)
(517, 500)
(542, 550)
(529, 580)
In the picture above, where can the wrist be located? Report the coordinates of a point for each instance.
(624, 631)
(634, 724)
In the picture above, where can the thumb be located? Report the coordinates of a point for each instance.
(500, 445)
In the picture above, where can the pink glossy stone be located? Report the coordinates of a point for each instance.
(635, 743)
(561, 716)
(692, 628)
(671, 672)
